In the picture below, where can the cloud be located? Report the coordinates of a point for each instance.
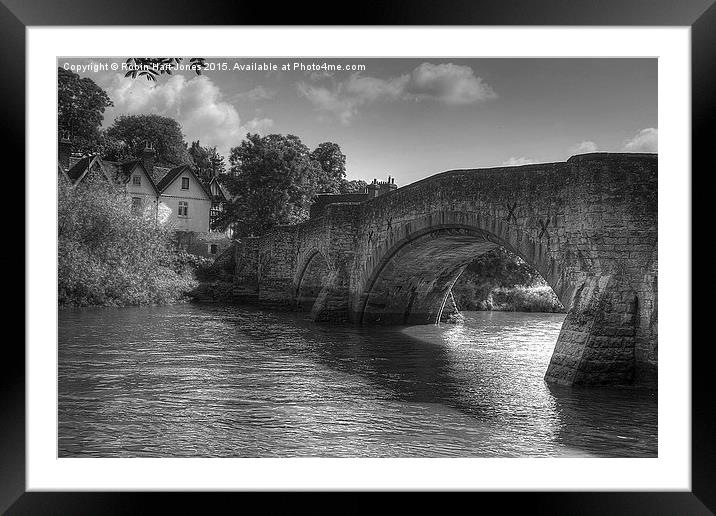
(196, 103)
(515, 162)
(325, 100)
(583, 147)
(646, 140)
(258, 125)
(448, 83)
(445, 83)
(371, 89)
(320, 75)
(256, 94)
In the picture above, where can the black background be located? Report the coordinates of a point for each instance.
(15, 15)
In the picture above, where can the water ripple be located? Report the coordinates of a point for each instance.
(191, 380)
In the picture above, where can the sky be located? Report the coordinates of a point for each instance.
(407, 118)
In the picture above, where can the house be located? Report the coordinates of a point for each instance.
(174, 197)
(74, 169)
(220, 197)
(373, 190)
(185, 200)
(138, 184)
(81, 169)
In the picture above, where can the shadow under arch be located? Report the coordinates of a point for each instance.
(412, 280)
(310, 280)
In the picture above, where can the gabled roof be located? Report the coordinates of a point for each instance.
(115, 168)
(158, 173)
(78, 171)
(171, 176)
(74, 158)
(122, 171)
(119, 171)
(222, 191)
(61, 171)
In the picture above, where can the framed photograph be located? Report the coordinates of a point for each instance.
(426, 252)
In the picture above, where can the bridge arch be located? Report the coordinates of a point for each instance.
(310, 279)
(408, 277)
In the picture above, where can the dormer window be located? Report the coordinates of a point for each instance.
(184, 183)
(137, 180)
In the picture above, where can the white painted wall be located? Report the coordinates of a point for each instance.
(197, 218)
(144, 190)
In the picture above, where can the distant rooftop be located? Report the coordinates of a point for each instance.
(372, 191)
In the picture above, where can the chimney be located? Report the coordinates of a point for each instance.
(148, 157)
(64, 150)
(372, 189)
(385, 187)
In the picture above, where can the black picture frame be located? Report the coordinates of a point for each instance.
(700, 15)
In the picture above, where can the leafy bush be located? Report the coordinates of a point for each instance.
(525, 299)
(501, 280)
(182, 262)
(109, 256)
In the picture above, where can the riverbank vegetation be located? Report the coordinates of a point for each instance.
(216, 280)
(501, 280)
(108, 256)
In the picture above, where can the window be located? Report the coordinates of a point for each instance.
(137, 205)
(183, 209)
(214, 213)
(184, 183)
(212, 248)
(137, 180)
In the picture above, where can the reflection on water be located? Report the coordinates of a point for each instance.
(210, 381)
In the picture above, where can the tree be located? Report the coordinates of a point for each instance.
(132, 131)
(355, 186)
(500, 270)
(151, 68)
(333, 164)
(218, 164)
(113, 148)
(207, 161)
(80, 109)
(273, 179)
(202, 164)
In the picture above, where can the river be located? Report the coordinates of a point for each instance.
(224, 381)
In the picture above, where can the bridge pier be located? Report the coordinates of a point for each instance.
(596, 343)
(332, 302)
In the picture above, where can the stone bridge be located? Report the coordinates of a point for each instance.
(588, 225)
